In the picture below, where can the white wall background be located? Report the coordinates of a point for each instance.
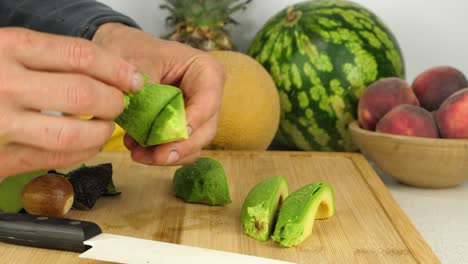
(430, 32)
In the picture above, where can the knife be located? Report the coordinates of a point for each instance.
(88, 239)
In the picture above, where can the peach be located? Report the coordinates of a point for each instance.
(452, 116)
(408, 120)
(380, 97)
(436, 84)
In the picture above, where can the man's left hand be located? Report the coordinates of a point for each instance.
(196, 73)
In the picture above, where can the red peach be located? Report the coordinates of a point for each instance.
(408, 120)
(436, 84)
(452, 116)
(380, 97)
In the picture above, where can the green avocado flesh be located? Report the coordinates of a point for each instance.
(261, 205)
(155, 115)
(299, 211)
(203, 181)
(11, 189)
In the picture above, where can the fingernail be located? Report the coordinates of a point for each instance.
(173, 157)
(137, 82)
(189, 130)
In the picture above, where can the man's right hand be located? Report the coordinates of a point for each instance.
(47, 72)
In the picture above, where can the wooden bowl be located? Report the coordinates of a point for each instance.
(416, 161)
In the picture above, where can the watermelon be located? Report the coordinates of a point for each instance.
(322, 55)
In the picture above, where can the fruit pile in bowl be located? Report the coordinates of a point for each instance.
(417, 133)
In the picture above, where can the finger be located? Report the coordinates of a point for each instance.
(47, 52)
(150, 161)
(22, 158)
(69, 93)
(201, 137)
(174, 152)
(129, 142)
(143, 155)
(188, 159)
(58, 133)
(203, 87)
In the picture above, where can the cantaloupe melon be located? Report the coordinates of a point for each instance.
(250, 110)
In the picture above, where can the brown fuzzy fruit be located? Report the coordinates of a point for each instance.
(452, 116)
(408, 120)
(49, 195)
(436, 84)
(380, 97)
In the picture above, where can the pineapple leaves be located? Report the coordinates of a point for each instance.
(202, 23)
(207, 13)
(240, 6)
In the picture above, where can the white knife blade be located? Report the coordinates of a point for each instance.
(124, 249)
(78, 236)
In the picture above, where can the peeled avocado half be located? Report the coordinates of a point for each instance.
(261, 205)
(299, 211)
(155, 115)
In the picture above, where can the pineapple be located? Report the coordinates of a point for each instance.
(201, 23)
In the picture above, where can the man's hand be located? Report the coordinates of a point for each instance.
(74, 76)
(200, 77)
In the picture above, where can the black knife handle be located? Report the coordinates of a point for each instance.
(46, 232)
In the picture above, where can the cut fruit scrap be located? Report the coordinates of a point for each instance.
(203, 181)
(90, 183)
(11, 189)
(299, 211)
(155, 115)
(261, 205)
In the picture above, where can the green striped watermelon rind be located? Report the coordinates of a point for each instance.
(322, 54)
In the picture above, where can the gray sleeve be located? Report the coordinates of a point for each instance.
(79, 18)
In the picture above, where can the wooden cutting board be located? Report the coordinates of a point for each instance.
(369, 226)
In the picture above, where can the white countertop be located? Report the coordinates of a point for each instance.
(440, 215)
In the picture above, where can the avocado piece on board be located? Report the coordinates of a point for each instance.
(154, 115)
(261, 205)
(11, 188)
(203, 181)
(299, 211)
